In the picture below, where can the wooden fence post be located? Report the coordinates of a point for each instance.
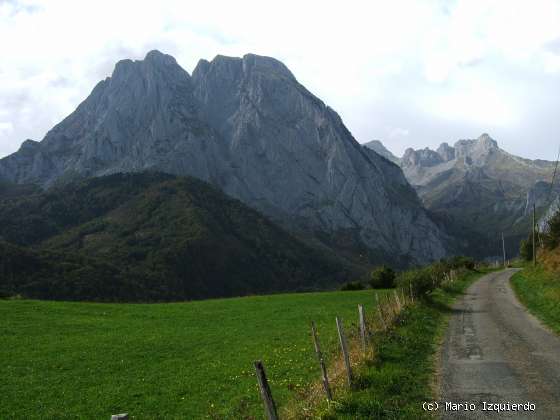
(390, 309)
(269, 406)
(326, 386)
(380, 312)
(397, 300)
(344, 348)
(363, 331)
(119, 416)
(411, 293)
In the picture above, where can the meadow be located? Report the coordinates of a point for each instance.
(539, 290)
(174, 360)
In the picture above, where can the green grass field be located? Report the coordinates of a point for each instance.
(181, 360)
(539, 291)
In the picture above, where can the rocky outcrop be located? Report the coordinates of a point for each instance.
(552, 209)
(423, 157)
(247, 126)
(446, 152)
(380, 149)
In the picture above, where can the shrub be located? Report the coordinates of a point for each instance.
(421, 281)
(352, 285)
(424, 280)
(459, 261)
(552, 237)
(526, 249)
(382, 277)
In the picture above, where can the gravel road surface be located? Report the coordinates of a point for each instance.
(496, 352)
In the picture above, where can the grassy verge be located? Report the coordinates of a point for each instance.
(539, 291)
(400, 377)
(181, 360)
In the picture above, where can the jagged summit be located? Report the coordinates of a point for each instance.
(155, 62)
(480, 187)
(28, 144)
(477, 149)
(249, 63)
(485, 138)
(156, 56)
(472, 151)
(378, 147)
(446, 152)
(421, 157)
(248, 127)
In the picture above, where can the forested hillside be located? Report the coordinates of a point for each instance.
(151, 236)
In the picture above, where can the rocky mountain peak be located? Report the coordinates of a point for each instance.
(29, 144)
(226, 66)
(476, 151)
(249, 65)
(487, 141)
(422, 157)
(158, 58)
(264, 64)
(155, 65)
(446, 152)
(248, 127)
(378, 147)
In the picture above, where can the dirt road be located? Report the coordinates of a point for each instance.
(495, 352)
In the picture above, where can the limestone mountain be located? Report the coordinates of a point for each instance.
(248, 127)
(480, 190)
(549, 212)
(380, 149)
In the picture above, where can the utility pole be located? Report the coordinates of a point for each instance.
(534, 245)
(504, 248)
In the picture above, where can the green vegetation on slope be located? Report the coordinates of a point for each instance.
(177, 360)
(539, 290)
(400, 378)
(150, 236)
(9, 190)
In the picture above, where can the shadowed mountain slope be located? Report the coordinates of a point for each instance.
(151, 236)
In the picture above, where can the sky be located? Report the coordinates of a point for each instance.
(409, 73)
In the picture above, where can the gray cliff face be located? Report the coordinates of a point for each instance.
(552, 209)
(446, 152)
(247, 126)
(423, 157)
(541, 196)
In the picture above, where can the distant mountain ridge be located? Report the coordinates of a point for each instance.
(247, 126)
(378, 147)
(480, 190)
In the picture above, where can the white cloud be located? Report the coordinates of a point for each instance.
(398, 132)
(6, 127)
(379, 64)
